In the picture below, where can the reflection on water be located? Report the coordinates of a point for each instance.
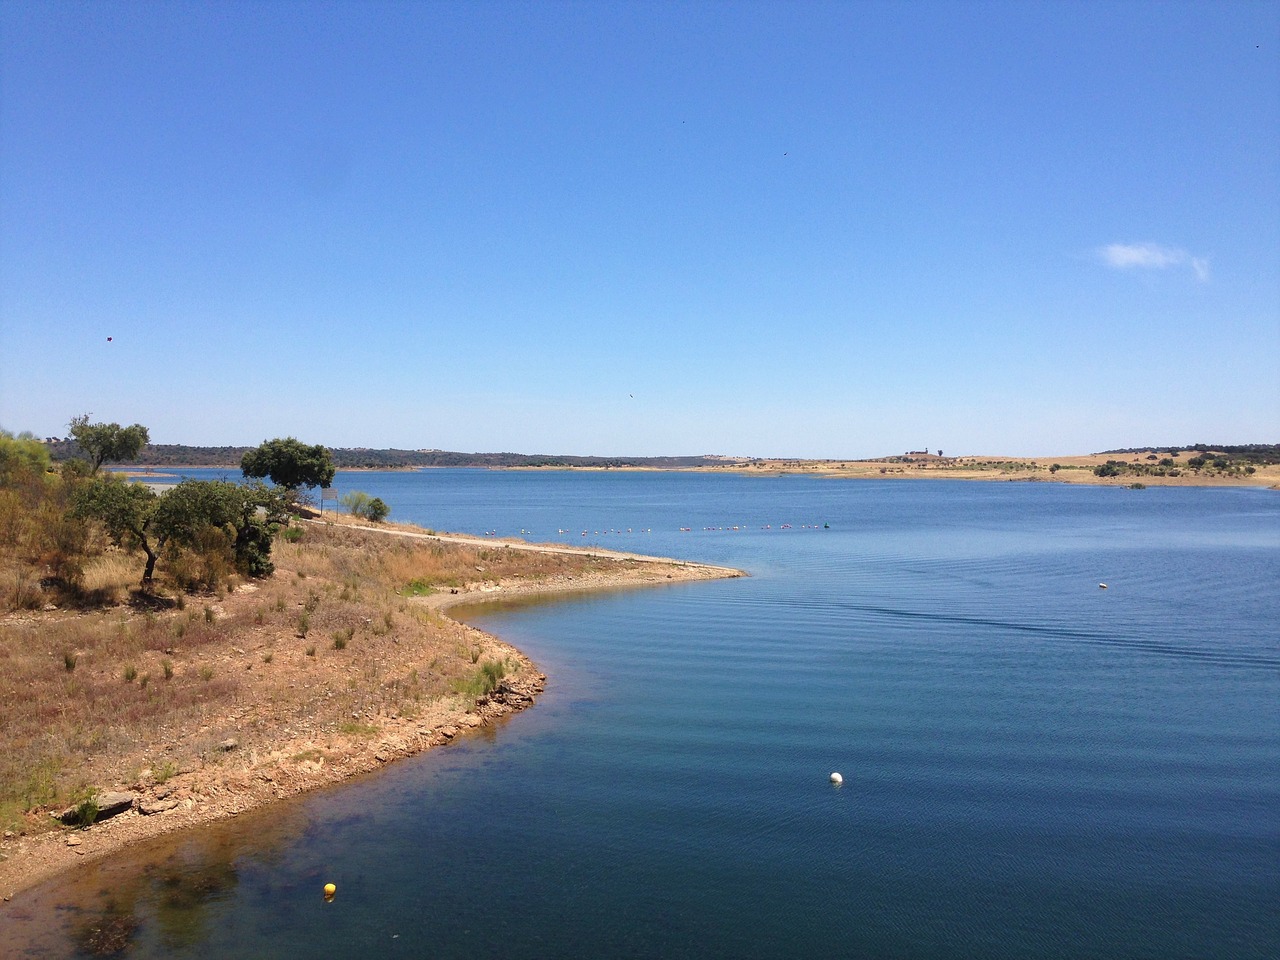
(166, 890)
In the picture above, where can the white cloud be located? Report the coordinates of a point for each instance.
(1151, 256)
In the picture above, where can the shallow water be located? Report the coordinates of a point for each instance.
(1032, 766)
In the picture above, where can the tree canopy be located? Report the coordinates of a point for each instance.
(290, 463)
(108, 442)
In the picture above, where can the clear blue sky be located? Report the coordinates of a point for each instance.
(770, 229)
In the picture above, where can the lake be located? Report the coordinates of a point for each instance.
(1033, 766)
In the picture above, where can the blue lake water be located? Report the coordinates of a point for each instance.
(1033, 766)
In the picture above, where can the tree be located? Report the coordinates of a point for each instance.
(249, 516)
(135, 517)
(108, 442)
(290, 464)
(128, 511)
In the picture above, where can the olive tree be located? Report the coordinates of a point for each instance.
(107, 442)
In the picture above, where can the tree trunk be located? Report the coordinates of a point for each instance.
(150, 569)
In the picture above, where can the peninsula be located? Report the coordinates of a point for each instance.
(341, 662)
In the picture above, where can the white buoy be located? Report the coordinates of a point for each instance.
(837, 779)
(1102, 586)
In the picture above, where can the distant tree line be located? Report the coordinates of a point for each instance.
(354, 458)
(1209, 463)
(1259, 454)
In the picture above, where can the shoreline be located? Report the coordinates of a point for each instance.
(287, 766)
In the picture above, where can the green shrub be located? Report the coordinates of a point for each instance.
(360, 504)
(86, 811)
(356, 502)
(483, 681)
(493, 671)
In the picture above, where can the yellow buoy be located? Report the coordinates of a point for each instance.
(330, 889)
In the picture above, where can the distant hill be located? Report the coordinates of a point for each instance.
(349, 458)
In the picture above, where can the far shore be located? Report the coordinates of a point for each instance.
(305, 754)
(1135, 469)
(1075, 469)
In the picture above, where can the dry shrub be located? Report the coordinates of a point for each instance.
(19, 587)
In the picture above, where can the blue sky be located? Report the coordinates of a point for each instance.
(769, 229)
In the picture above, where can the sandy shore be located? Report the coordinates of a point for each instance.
(304, 756)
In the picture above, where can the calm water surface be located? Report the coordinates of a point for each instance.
(1033, 766)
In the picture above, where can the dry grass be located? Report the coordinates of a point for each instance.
(110, 576)
(237, 665)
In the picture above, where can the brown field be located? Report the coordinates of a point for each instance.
(341, 661)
